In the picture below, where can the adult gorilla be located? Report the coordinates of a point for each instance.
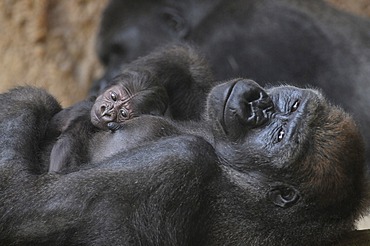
(267, 167)
(291, 41)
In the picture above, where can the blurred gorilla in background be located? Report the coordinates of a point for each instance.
(304, 43)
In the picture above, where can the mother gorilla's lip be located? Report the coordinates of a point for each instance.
(228, 93)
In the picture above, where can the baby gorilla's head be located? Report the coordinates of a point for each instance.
(132, 95)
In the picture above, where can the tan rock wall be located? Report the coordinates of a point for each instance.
(49, 43)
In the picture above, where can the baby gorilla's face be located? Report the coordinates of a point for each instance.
(113, 106)
(134, 94)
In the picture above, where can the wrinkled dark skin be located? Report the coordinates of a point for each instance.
(120, 103)
(114, 105)
(303, 43)
(270, 166)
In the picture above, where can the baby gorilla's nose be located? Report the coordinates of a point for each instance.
(107, 113)
(103, 110)
(249, 104)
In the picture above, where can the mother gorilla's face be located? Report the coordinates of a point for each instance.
(287, 135)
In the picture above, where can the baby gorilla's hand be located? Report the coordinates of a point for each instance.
(114, 126)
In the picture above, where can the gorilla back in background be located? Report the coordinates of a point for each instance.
(306, 43)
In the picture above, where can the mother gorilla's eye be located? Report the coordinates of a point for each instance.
(295, 106)
(281, 134)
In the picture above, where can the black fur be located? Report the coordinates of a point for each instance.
(296, 177)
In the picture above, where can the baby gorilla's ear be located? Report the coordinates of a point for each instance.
(284, 196)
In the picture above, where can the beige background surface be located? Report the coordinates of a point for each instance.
(50, 43)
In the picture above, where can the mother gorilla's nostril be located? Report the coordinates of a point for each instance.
(249, 104)
(239, 105)
(260, 110)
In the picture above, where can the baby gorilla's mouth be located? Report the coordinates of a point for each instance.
(246, 105)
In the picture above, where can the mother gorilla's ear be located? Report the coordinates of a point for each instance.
(284, 196)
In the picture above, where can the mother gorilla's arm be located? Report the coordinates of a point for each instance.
(149, 194)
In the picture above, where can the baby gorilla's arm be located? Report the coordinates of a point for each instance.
(71, 147)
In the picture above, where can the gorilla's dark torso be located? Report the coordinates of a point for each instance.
(227, 181)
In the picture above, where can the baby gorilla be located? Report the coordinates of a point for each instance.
(132, 95)
(171, 81)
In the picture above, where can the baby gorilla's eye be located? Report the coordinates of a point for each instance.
(113, 95)
(281, 134)
(124, 113)
(295, 106)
